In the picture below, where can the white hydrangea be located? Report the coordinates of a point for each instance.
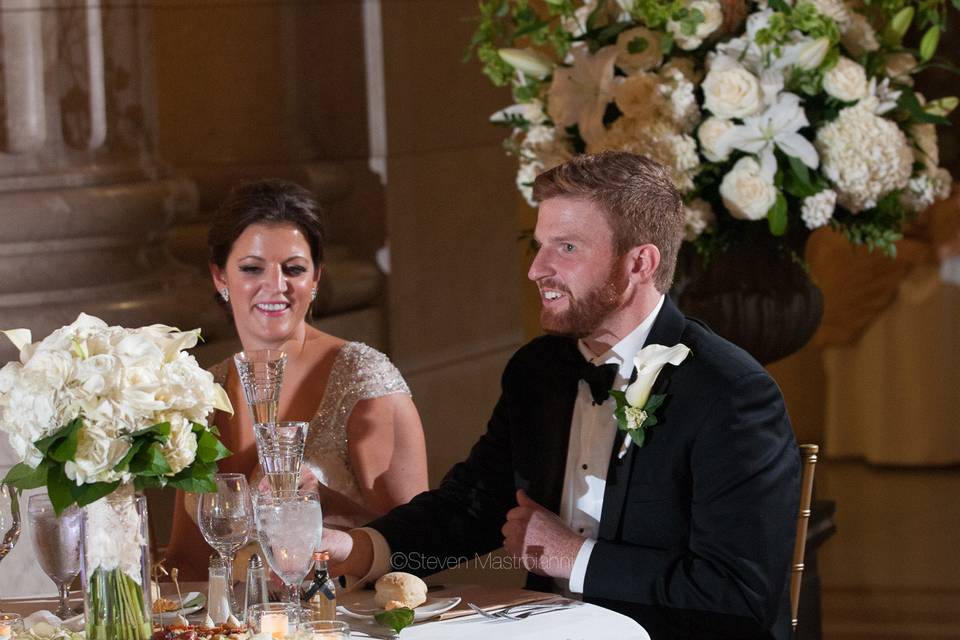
(698, 216)
(817, 209)
(712, 12)
(925, 189)
(680, 99)
(864, 155)
(538, 154)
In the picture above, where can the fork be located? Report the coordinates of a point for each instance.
(499, 616)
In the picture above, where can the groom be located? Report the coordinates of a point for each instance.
(691, 533)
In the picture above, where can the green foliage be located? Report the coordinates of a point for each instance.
(777, 216)
(397, 619)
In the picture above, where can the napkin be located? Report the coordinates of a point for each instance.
(46, 617)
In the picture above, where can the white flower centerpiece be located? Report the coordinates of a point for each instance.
(775, 117)
(96, 412)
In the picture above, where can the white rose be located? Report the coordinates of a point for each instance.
(181, 448)
(834, 9)
(732, 92)
(712, 19)
(746, 192)
(55, 367)
(846, 81)
(97, 454)
(97, 375)
(710, 133)
(650, 55)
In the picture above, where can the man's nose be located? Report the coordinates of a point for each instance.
(540, 266)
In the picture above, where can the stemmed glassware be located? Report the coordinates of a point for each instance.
(57, 544)
(280, 450)
(261, 374)
(226, 520)
(290, 527)
(9, 519)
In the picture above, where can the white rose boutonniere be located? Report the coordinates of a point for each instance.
(635, 406)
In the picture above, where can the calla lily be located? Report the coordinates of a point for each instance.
(529, 61)
(19, 337)
(775, 127)
(649, 361)
(221, 400)
(579, 94)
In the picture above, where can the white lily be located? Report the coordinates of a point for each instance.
(529, 61)
(886, 97)
(775, 127)
(649, 361)
(579, 94)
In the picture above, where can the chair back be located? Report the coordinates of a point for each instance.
(808, 456)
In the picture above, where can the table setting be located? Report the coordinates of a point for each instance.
(128, 409)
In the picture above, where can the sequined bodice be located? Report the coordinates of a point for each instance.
(359, 372)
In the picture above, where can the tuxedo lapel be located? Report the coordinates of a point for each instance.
(560, 395)
(666, 330)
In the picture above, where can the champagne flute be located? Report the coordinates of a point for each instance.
(261, 374)
(290, 527)
(9, 518)
(56, 542)
(226, 520)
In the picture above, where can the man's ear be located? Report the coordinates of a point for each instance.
(642, 262)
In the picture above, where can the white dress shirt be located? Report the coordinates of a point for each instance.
(592, 431)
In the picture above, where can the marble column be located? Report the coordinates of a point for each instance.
(85, 207)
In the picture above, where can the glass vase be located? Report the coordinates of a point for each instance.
(116, 567)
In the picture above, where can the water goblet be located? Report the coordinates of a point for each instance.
(280, 450)
(289, 527)
(9, 518)
(226, 520)
(57, 543)
(261, 374)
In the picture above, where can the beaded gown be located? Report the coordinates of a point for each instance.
(359, 372)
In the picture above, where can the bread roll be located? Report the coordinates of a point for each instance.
(400, 589)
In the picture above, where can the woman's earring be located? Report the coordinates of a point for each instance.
(225, 294)
(313, 294)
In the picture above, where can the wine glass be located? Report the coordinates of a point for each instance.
(261, 374)
(56, 542)
(226, 520)
(9, 518)
(289, 526)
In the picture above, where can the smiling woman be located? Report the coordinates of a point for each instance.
(365, 450)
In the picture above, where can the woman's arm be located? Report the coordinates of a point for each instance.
(387, 451)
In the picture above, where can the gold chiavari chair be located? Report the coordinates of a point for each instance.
(808, 456)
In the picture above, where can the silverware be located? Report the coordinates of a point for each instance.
(498, 616)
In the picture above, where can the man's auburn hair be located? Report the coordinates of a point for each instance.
(637, 196)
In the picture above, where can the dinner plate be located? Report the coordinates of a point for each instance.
(194, 601)
(361, 605)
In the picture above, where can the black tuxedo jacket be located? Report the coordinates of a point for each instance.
(697, 526)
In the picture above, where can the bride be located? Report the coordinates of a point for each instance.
(365, 443)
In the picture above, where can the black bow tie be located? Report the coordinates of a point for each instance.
(599, 378)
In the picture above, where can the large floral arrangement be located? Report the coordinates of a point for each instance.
(95, 412)
(774, 117)
(91, 407)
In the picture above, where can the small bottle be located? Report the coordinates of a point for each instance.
(321, 597)
(256, 584)
(218, 598)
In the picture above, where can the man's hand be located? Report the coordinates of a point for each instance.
(539, 539)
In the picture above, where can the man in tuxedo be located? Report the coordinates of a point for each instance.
(691, 533)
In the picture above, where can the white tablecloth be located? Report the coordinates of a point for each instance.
(584, 622)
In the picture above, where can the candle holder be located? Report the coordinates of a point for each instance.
(277, 619)
(10, 625)
(323, 630)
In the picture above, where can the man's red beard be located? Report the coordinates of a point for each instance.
(584, 316)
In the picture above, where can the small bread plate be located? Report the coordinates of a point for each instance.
(192, 602)
(361, 605)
